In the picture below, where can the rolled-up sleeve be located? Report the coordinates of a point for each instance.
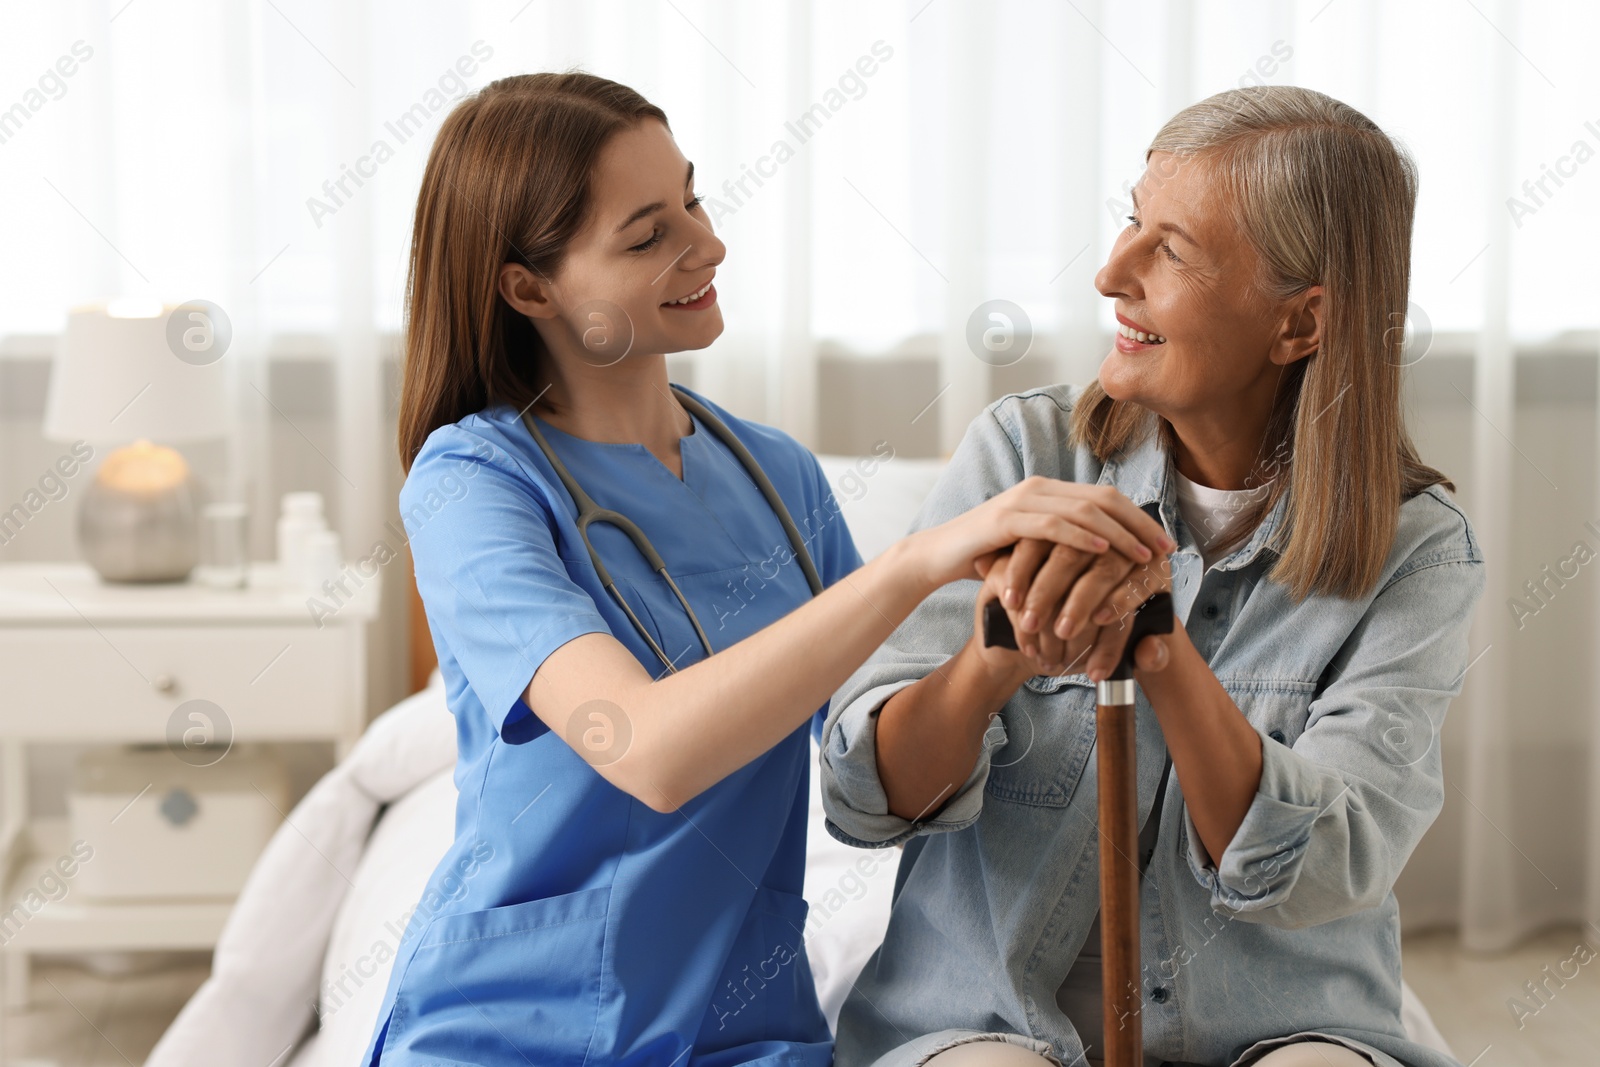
(1337, 815)
(852, 794)
(984, 464)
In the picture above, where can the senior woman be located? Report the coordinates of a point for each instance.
(1323, 578)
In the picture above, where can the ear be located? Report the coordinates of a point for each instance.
(1302, 328)
(527, 292)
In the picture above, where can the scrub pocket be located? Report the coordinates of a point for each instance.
(508, 985)
(1048, 740)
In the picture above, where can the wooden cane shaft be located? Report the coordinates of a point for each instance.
(1119, 886)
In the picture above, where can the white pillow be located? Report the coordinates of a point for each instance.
(411, 837)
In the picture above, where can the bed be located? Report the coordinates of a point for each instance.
(302, 964)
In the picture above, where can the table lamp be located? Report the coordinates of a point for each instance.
(140, 371)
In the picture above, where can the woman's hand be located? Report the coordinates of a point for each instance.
(1090, 519)
(1052, 588)
(1112, 621)
(1015, 665)
(930, 733)
(1089, 621)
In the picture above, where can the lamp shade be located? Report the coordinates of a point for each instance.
(118, 376)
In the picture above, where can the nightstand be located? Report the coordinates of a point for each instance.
(94, 663)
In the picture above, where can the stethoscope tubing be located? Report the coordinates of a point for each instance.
(589, 513)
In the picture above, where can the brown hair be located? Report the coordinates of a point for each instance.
(507, 180)
(1326, 198)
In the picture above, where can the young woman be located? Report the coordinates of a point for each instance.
(1287, 730)
(624, 887)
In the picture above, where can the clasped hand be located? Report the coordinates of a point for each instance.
(1070, 606)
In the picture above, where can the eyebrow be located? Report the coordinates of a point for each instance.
(651, 209)
(1171, 226)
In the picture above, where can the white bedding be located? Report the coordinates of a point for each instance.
(410, 838)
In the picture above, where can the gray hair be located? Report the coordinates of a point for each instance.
(1325, 198)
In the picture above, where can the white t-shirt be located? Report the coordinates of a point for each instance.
(1211, 515)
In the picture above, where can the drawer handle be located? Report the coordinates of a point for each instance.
(165, 683)
(179, 806)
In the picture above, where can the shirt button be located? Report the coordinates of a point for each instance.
(1277, 735)
(1159, 994)
(1210, 611)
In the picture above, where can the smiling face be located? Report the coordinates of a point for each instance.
(639, 274)
(1185, 279)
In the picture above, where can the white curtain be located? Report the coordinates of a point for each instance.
(880, 172)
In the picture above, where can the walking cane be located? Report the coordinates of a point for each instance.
(1121, 997)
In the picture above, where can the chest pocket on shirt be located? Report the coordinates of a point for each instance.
(1049, 735)
(1277, 707)
(676, 636)
(731, 605)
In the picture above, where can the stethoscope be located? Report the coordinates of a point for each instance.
(590, 512)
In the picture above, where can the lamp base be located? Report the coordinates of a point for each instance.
(139, 519)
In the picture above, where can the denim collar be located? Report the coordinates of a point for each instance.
(1144, 474)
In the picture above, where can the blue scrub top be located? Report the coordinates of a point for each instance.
(569, 923)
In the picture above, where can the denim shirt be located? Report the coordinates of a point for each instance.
(1295, 930)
